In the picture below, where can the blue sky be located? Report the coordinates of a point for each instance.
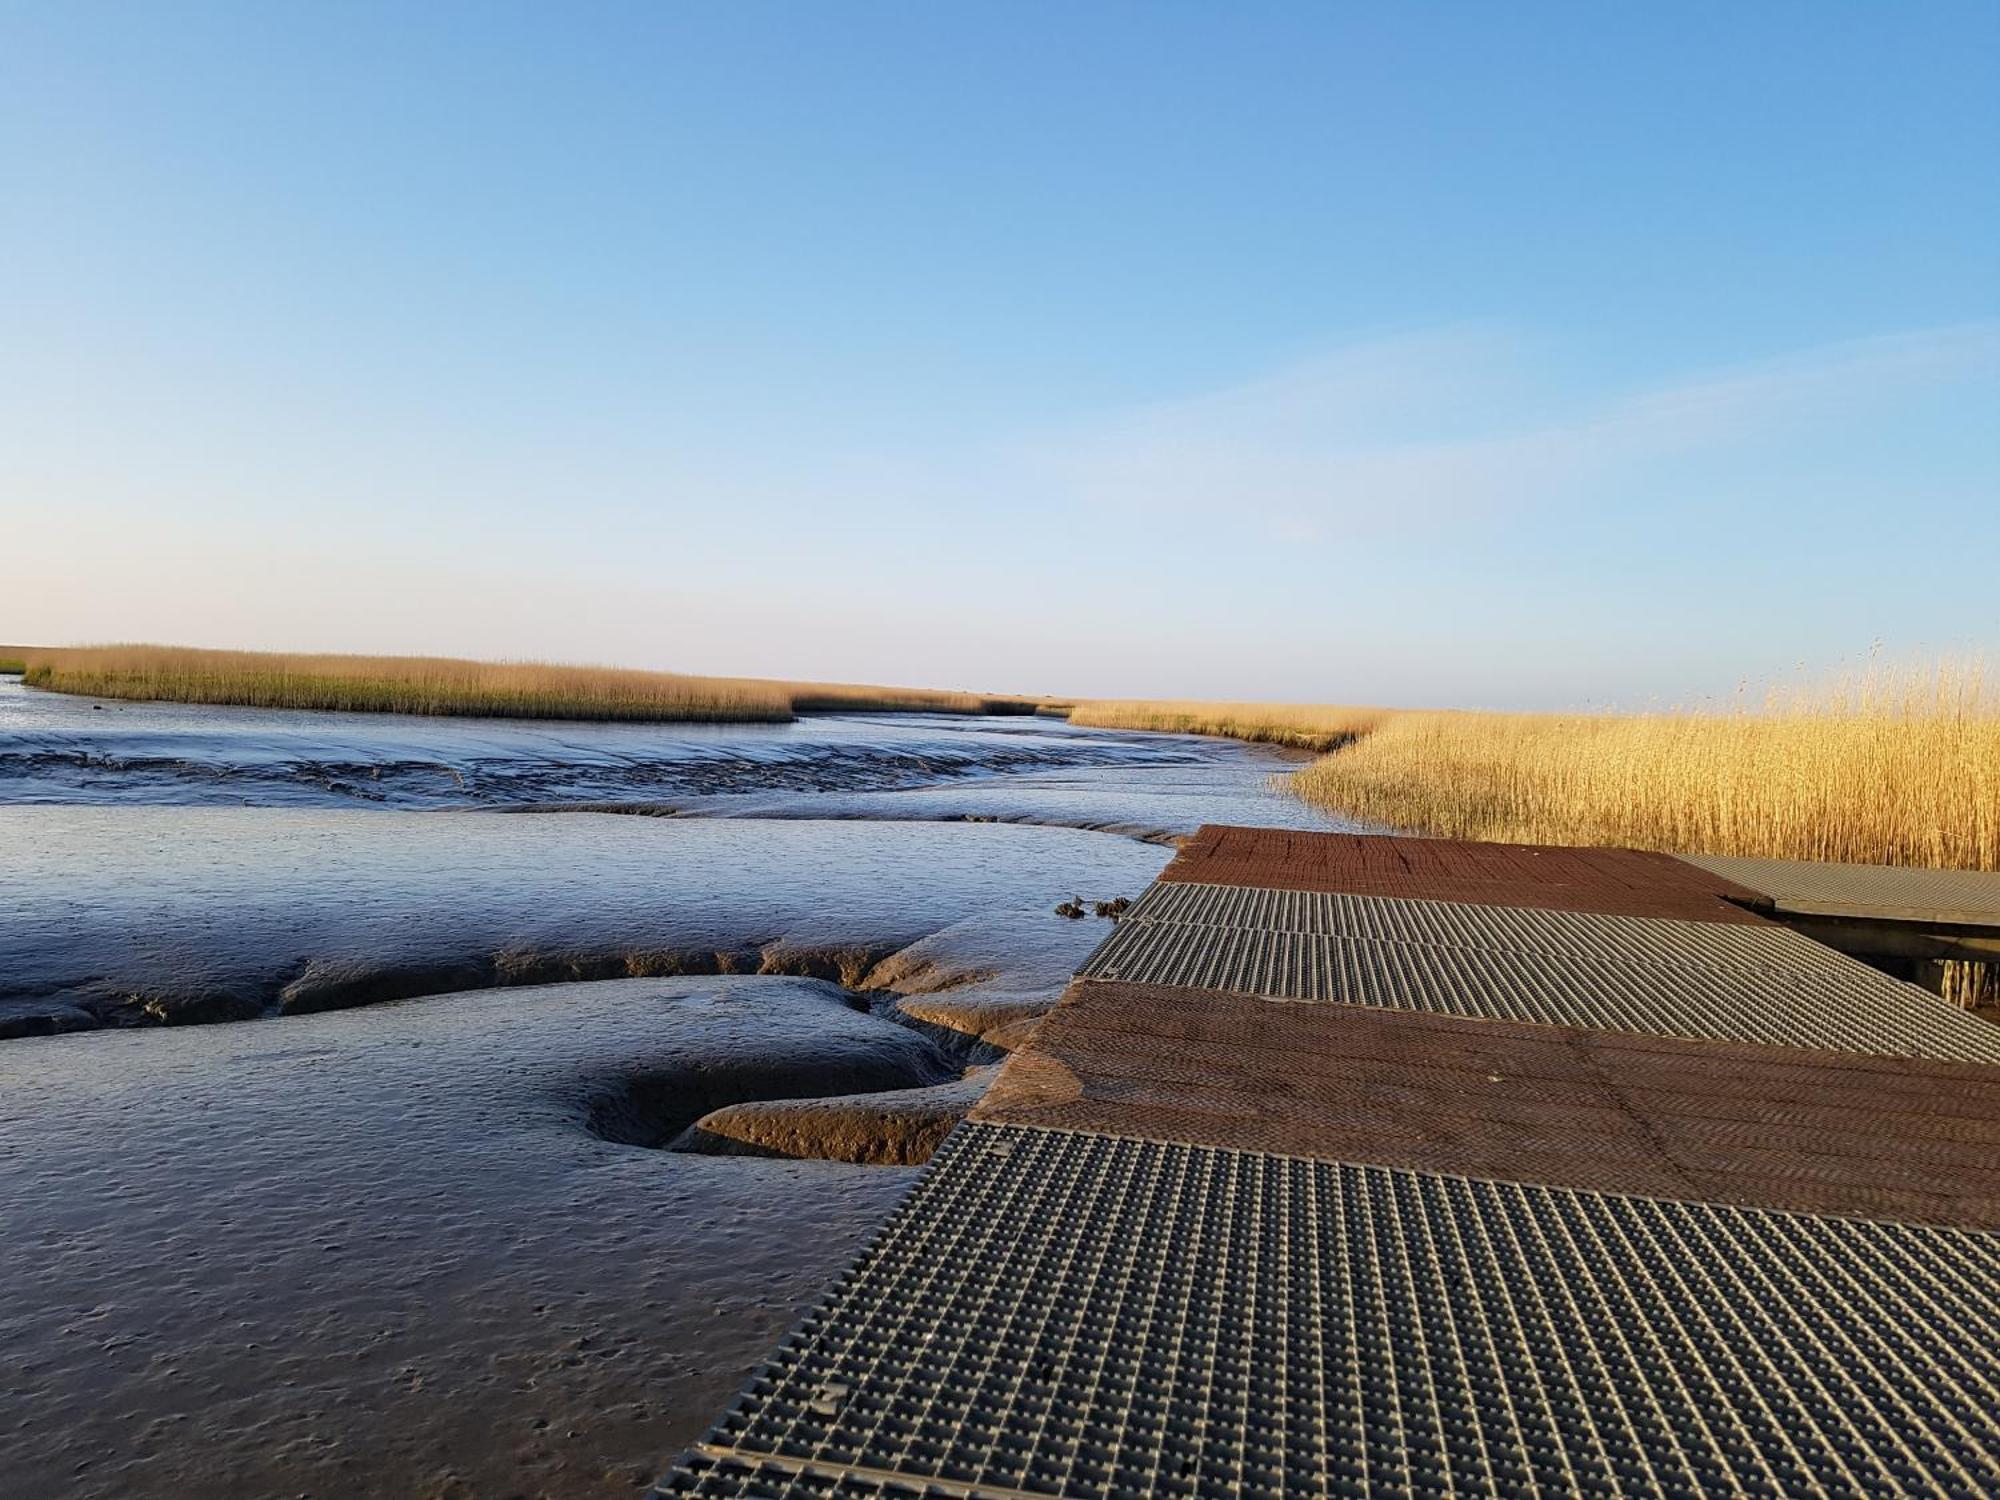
(1525, 355)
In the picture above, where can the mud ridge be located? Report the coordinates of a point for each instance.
(317, 985)
(965, 1045)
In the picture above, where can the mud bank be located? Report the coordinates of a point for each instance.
(135, 916)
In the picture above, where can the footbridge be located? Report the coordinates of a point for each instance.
(1384, 1166)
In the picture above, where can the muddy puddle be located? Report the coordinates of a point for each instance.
(504, 1169)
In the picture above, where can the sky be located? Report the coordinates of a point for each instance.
(1533, 355)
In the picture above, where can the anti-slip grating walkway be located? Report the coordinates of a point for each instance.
(1857, 1011)
(1581, 1178)
(1491, 929)
(1065, 1314)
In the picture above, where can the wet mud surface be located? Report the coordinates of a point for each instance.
(501, 1186)
(435, 1247)
(134, 916)
(1158, 805)
(393, 1252)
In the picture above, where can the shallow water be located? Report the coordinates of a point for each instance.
(405, 1249)
(1157, 803)
(60, 749)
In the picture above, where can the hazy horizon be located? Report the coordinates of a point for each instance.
(1534, 358)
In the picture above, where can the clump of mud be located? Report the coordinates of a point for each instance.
(900, 1128)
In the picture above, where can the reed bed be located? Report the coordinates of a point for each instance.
(1300, 725)
(855, 697)
(1885, 767)
(442, 685)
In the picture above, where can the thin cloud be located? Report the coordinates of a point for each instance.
(1411, 433)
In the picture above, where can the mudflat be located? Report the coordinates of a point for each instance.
(503, 1171)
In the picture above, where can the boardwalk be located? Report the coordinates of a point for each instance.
(1357, 1166)
(1941, 899)
(1921, 918)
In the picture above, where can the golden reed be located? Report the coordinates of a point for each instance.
(442, 685)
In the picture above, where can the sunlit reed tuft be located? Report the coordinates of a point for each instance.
(1302, 726)
(1884, 766)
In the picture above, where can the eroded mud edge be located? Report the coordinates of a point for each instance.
(961, 1004)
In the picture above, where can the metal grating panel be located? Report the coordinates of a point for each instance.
(1952, 897)
(1062, 1314)
(1516, 929)
(1857, 1011)
(700, 1474)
